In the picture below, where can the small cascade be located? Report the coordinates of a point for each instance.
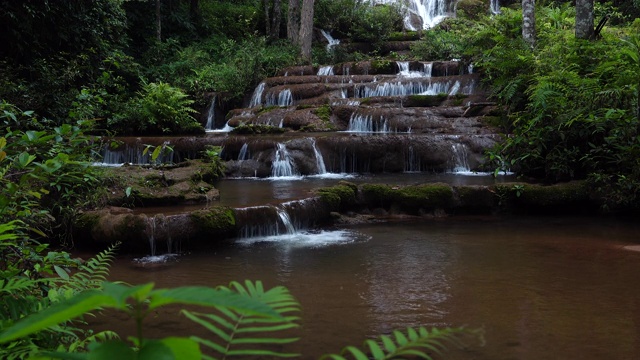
(409, 88)
(326, 70)
(460, 158)
(286, 221)
(411, 161)
(256, 98)
(366, 124)
(244, 152)
(494, 7)
(283, 98)
(282, 165)
(134, 155)
(319, 159)
(428, 69)
(151, 234)
(405, 71)
(211, 115)
(470, 68)
(330, 40)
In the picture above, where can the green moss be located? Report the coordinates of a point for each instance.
(383, 67)
(267, 109)
(427, 197)
(214, 221)
(425, 100)
(470, 9)
(558, 195)
(339, 197)
(129, 227)
(475, 199)
(303, 106)
(323, 112)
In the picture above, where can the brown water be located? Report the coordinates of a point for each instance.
(541, 288)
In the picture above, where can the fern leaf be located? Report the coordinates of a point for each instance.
(245, 334)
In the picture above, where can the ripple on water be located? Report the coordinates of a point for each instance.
(308, 239)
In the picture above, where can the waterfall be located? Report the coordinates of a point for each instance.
(286, 221)
(405, 71)
(319, 159)
(151, 234)
(411, 161)
(403, 66)
(283, 98)
(460, 158)
(407, 88)
(282, 165)
(244, 153)
(428, 69)
(366, 124)
(256, 98)
(134, 155)
(331, 41)
(211, 115)
(326, 70)
(494, 7)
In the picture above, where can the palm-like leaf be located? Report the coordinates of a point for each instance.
(244, 334)
(415, 343)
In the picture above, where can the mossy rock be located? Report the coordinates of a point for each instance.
(267, 109)
(323, 112)
(258, 129)
(572, 197)
(475, 199)
(215, 221)
(425, 100)
(424, 197)
(339, 197)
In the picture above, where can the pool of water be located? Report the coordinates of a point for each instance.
(541, 288)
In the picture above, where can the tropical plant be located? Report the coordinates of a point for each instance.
(32, 279)
(245, 320)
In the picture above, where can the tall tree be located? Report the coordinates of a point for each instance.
(293, 22)
(306, 29)
(529, 22)
(158, 21)
(584, 19)
(272, 16)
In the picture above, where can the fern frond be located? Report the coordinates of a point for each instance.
(93, 272)
(244, 334)
(420, 343)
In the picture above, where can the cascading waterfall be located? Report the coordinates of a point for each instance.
(408, 88)
(256, 98)
(211, 115)
(366, 124)
(134, 155)
(494, 7)
(460, 158)
(286, 221)
(405, 71)
(412, 161)
(330, 40)
(431, 12)
(319, 159)
(282, 165)
(326, 70)
(283, 98)
(428, 69)
(244, 152)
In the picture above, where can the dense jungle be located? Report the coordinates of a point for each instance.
(560, 80)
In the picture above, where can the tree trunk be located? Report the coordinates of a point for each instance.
(529, 22)
(293, 22)
(584, 19)
(306, 29)
(158, 21)
(267, 17)
(275, 19)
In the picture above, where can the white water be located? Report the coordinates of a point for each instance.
(155, 228)
(405, 72)
(365, 124)
(244, 152)
(400, 88)
(412, 161)
(283, 98)
(460, 158)
(319, 159)
(326, 70)
(282, 165)
(494, 7)
(431, 12)
(286, 221)
(256, 98)
(330, 40)
(134, 155)
(211, 115)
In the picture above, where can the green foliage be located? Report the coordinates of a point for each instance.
(414, 343)
(161, 109)
(32, 279)
(240, 333)
(211, 155)
(248, 305)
